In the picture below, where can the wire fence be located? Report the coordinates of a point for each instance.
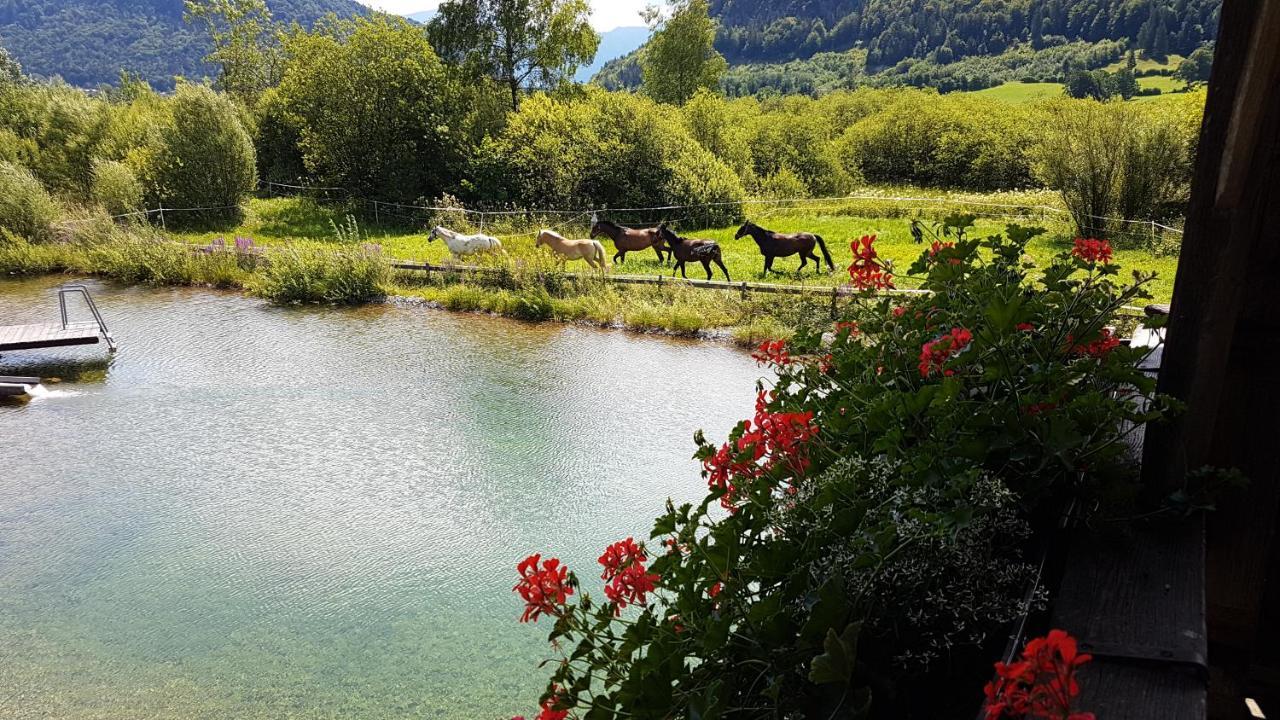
(384, 211)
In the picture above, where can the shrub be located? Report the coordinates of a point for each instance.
(349, 276)
(26, 208)
(116, 188)
(876, 508)
(206, 161)
(1112, 160)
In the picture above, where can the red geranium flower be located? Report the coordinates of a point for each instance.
(1026, 327)
(769, 441)
(935, 354)
(772, 352)
(1040, 686)
(544, 590)
(1092, 251)
(1099, 348)
(867, 272)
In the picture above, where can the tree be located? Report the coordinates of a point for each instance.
(1083, 84)
(10, 70)
(244, 48)
(207, 158)
(374, 108)
(1125, 81)
(681, 58)
(1195, 69)
(521, 43)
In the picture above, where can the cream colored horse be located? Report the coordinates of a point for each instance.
(590, 250)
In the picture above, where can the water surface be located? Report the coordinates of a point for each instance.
(258, 512)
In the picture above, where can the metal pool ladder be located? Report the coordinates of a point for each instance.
(66, 290)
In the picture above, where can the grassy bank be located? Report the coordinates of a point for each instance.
(291, 221)
(294, 250)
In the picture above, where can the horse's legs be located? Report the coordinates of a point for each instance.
(619, 258)
(662, 259)
(804, 260)
(725, 269)
(816, 261)
(706, 265)
(768, 264)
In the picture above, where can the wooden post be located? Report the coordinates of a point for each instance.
(1223, 338)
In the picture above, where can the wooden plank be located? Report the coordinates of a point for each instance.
(34, 337)
(1223, 329)
(1136, 602)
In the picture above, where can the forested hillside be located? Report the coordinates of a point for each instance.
(89, 42)
(947, 30)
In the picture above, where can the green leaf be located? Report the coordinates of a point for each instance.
(835, 665)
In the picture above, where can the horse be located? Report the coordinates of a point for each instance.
(590, 250)
(686, 249)
(627, 240)
(775, 245)
(462, 245)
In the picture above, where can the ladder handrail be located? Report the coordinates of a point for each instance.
(93, 307)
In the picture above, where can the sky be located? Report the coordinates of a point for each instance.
(607, 15)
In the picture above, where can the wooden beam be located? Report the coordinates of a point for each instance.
(1224, 332)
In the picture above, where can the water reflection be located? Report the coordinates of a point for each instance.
(259, 512)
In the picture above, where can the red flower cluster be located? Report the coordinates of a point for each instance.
(548, 711)
(771, 440)
(850, 327)
(629, 583)
(935, 354)
(1099, 348)
(1092, 251)
(1040, 408)
(544, 590)
(1042, 685)
(938, 247)
(1026, 327)
(772, 352)
(867, 272)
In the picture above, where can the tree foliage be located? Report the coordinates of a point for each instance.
(244, 43)
(374, 109)
(680, 58)
(522, 43)
(206, 159)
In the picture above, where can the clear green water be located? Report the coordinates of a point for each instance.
(255, 512)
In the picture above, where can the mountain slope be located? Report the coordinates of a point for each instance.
(755, 31)
(615, 43)
(89, 42)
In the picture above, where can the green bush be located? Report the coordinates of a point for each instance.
(63, 128)
(604, 149)
(115, 187)
(206, 159)
(349, 276)
(26, 208)
(1116, 162)
(922, 138)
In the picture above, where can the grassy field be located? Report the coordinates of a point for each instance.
(285, 221)
(1020, 92)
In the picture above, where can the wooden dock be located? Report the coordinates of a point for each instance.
(35, 337)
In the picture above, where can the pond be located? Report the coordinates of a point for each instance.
(259, 512)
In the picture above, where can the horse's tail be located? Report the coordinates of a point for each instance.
(822, 244)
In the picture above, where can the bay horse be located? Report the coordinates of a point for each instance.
(590, 250)
(775, 245)
(462, 245)
(627, 239)
(686, 249)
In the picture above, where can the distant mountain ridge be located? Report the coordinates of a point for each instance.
(614, 44)
(89, 42)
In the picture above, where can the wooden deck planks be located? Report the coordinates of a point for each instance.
(32, 337)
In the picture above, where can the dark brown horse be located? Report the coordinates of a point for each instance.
(627, 240)
(686, 249)
(775, 245)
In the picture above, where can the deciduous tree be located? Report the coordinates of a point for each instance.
(521, 43)
(244, 46)
(681, 57)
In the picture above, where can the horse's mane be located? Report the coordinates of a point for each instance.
(612, 224)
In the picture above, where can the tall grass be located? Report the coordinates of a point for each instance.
(342, 276)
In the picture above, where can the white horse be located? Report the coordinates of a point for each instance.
(463, 245)
(590, 250)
